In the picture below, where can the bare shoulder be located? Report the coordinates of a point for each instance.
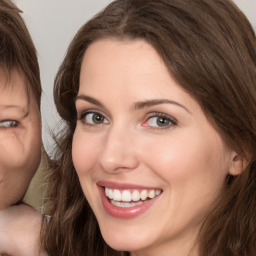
(21, 212)
(20, 231)
(18, 219)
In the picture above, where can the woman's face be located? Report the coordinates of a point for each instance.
(20, 139)
(150, 163)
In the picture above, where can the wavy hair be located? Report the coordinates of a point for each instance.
(209, 47)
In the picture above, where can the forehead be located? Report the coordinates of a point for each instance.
(115, 48)
(14, 82)
(121, 59)
(115, 69)
(116, 63)
(14, 91)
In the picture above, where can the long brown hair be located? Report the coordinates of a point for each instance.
(209, 47)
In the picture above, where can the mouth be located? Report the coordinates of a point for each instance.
(127, 200)
(130, 198)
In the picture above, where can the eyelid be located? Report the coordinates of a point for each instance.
(91, 106)
(81, 117)
(81, 114)
(173, 121)
(9, 123)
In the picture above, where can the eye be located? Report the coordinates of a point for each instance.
(93, 118)
(9, 124)
(160, 120)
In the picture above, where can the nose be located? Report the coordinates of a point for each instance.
(118, 152)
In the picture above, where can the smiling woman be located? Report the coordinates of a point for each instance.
(158, 153)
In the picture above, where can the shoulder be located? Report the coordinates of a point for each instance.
(19, 218)
(20, 230)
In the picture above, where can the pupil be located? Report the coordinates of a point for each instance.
(161, 121)
(12, 124)
(97, 118)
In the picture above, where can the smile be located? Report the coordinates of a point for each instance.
(127, 201)
(130, 198)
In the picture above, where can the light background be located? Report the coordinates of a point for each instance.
(52, 24)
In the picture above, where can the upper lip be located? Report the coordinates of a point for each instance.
(117, 185)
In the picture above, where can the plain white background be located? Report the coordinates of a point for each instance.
(52, 24)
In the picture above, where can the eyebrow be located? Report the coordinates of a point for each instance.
(90, 99)
(150, 103)
(137, 105)
(20, 108)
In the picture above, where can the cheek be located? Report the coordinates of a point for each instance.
(193, 173)
(20, 154)
(84, 153)
(16, 170)
(21, 150)
(12, 153)
(187, 158)
(33, 147)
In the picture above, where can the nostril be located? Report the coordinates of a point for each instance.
(118, 163)
(116, 154)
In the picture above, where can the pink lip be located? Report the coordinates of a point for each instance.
(114, 185)
(119, 212)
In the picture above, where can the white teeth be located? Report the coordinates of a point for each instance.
(110, 193)
(128, 196)
(126, 205)
(135, 195)
(143, 194)
(151, 194)
(117, 196)
(158, 192)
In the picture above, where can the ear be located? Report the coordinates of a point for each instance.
(238, 164)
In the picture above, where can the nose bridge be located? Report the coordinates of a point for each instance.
(117, 150)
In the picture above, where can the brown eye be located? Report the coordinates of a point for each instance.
(97, 118)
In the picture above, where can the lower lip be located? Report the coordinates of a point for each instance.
(124, 212)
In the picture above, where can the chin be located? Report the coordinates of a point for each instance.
(123, 246)
(121, 241)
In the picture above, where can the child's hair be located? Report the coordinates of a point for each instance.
(17, 50)
(209, 48)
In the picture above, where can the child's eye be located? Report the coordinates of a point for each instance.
(160, 120)
(93, 118)
(9, 124)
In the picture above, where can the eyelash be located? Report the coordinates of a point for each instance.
(171, 121)
(83, 115)
(168, 121)
(6, 124)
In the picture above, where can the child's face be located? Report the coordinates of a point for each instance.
(20, 138)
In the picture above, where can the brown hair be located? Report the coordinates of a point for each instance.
(209, 47)
(17, 50)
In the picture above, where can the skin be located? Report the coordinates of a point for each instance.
(20, 139)
(20, 231)
(186, 157)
